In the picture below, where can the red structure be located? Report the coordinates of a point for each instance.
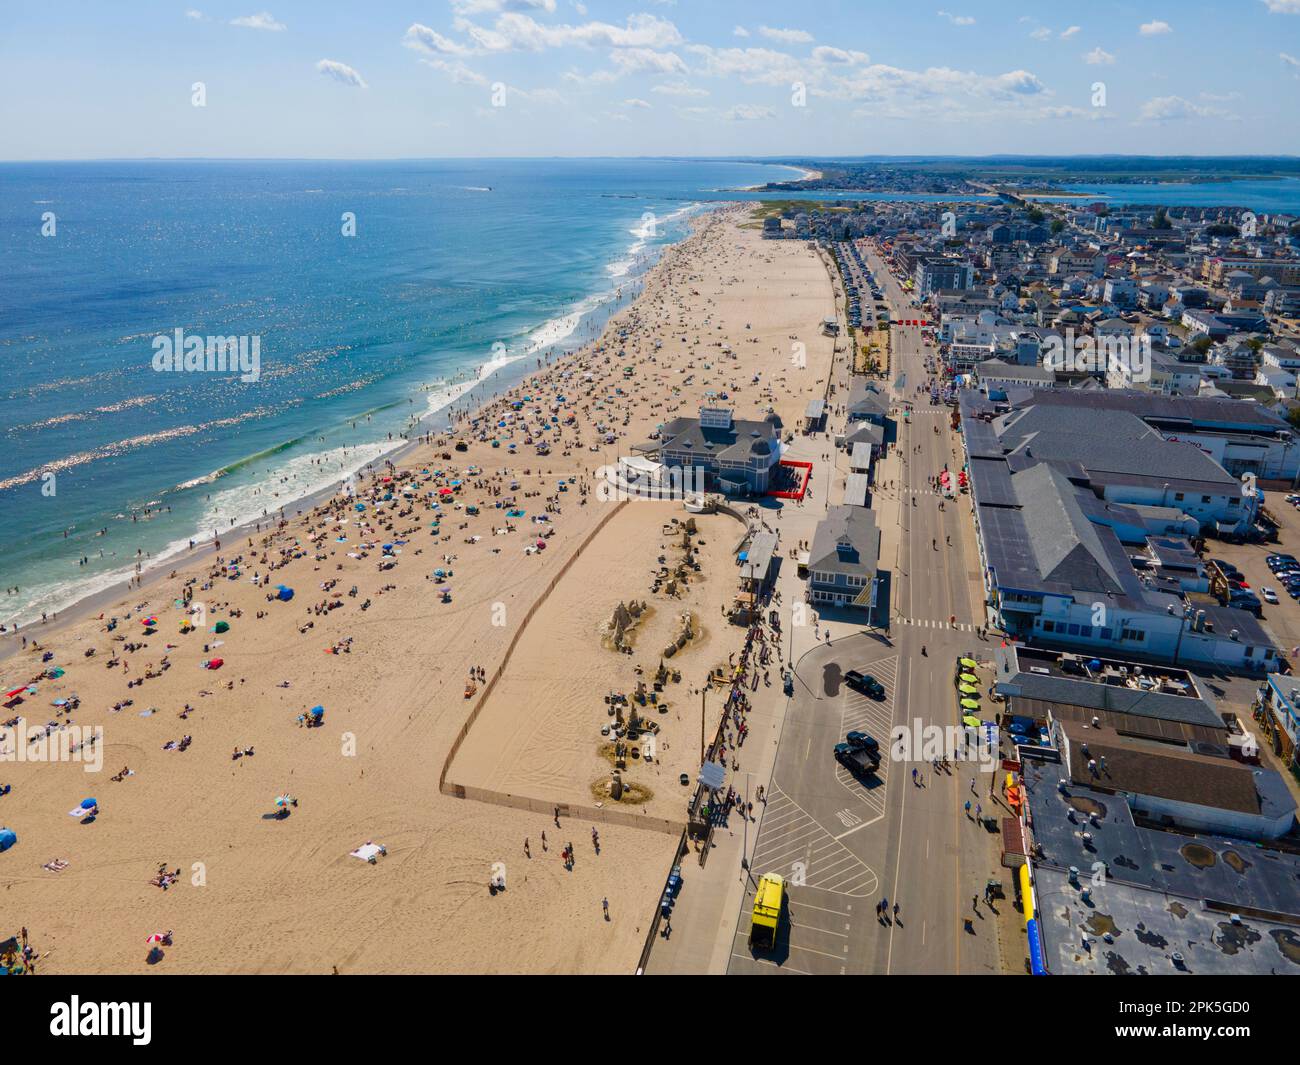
(804, 477)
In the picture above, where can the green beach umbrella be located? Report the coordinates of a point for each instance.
(968, 689)
(970, 704)
(969, 663)
(970, 721)
(969, 678)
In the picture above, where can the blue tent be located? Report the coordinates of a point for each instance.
(284, 594)
(88, 804)
(317, 711)
(7, 838)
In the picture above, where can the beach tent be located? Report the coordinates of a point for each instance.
(7, 838)
(284, 594)
(214, 663)
(221, 626)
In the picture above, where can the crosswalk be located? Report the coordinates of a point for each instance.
(791, 842)
(936, 623)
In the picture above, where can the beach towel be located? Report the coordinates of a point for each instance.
(56, 865)
(368, 852)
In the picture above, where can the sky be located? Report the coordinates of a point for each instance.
(92, 79)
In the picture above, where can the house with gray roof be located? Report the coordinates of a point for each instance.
(736, 456)
(866, 403)
(842, 562)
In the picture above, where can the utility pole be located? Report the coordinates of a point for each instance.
(702, 692)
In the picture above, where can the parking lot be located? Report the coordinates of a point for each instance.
(1282, 618)
(812, 827)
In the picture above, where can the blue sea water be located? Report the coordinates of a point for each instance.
(1274, 195)
(458, 270)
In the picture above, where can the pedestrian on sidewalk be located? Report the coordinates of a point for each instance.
(968, 807)
(605, 906)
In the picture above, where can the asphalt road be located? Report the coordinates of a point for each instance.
(843, 843)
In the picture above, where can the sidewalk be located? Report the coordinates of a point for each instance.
(704, 918)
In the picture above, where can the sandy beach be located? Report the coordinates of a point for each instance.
(409, 592)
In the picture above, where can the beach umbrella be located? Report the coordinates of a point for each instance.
(317, 711)
(969, 678)
(969, 663)
(970, 721)
(89, 804)
(968, 689)
(221, 626)
(7, 838)
(156, 938)
(970, 704)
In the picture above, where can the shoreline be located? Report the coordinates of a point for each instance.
(626, 291)
(717, 313)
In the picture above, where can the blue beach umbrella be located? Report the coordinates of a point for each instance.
(317, 711)
(7, 838)
(88, 804)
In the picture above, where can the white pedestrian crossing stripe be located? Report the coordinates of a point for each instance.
(933, 623)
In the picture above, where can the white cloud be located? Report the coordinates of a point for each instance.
(198, 16)
(748, 113)
(1175, 108)
(740, 31)
(636, 103)
(679, 88)
(826, 54)
(423, 39)
(1066, 34)
(262, 21)
(632, 60)
(457, 71)
(1283, 7)
(1099, 57)
(342, 73)
(957, 20)
(785, 36)
(482, 7)
(1041, 34)
(513, 31)
(1290, 60)
(1155, 28)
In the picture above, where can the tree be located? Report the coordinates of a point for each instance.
(1161, 219)
(1057, 226)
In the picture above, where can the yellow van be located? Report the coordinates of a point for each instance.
(767, 911)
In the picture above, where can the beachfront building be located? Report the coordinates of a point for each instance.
(736, 456)
(866, 403)
(1062, 496)
(842, 562)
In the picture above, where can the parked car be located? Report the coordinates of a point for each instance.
(863, 741)
(865, 683)
(1269, 595)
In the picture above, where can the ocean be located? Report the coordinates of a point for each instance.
(459, 274)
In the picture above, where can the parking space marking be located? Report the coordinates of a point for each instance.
(800, 841)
